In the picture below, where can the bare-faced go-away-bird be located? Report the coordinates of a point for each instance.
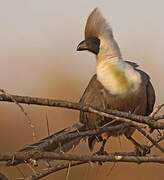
(118, 84)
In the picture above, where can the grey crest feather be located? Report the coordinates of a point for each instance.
(97, 26)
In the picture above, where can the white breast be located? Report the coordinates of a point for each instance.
(118, 77)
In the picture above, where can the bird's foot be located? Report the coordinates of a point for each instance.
(142, 150)
(99, 153)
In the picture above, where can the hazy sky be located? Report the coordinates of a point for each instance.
(38, 57)
(40, 36)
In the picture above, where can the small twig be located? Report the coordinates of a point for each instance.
(111, 169)
(68, 170)
(29, 121)
(156, 110)
(155, 143)
(58, 167)
(33, 170)
(48, 127)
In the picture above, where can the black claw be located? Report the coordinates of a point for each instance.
(99, 153)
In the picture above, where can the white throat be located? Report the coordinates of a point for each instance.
(117, 76)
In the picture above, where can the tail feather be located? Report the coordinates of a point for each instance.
(92, 141)
(49, 143)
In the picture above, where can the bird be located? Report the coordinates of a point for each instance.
(117, 84)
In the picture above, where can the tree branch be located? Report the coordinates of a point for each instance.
(51, 147)
(45, 172)
(150, 121)
(116, 157)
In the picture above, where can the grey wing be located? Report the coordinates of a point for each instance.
(150, 98)
(150, 93)
(92, 96)
(135, 65)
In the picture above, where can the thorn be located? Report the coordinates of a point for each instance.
(68, 170)
(47, 123)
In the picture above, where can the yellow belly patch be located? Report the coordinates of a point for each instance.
(118, 78)
(122, 81)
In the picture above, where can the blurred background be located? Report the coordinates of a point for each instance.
(38, 57)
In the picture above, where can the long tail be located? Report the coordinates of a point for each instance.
(50, 144)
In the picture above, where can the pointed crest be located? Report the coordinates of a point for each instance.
(97, 26)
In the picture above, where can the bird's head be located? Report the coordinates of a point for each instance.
(98, 36)
(91, 44)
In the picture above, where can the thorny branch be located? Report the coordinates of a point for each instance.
(23, 111)
(47, 143)
(150, 121)
(112, 158)
(36, 155)
(54, 146)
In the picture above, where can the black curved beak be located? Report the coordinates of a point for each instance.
(82, 46)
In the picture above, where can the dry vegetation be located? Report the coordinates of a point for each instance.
(57, 145)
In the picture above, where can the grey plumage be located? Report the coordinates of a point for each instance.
(97, 26)
(141, 103)
(113, 85)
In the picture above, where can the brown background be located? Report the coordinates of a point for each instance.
(38, 57)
